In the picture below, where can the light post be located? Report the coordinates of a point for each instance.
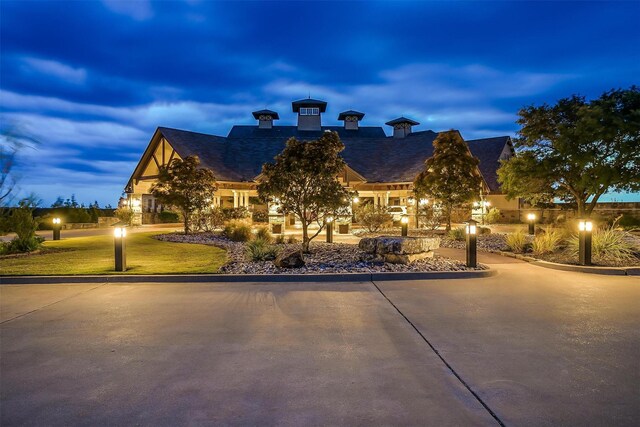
(585, 229)
(472, 253)
(329, 222)
(354, 202)
(119, 235)
(404, 221)
(57, 225)
(531, 219)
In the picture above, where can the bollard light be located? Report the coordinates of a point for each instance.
(472, 240)
(57, 225)
(404, 222)
(329, 222)
(531, 219)
(119, 235)
(585, 231)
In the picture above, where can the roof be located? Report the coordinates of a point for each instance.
(488, 151)
(400, 120)
(368, 151)
(273, 114)
(309, 102)
(344, 114)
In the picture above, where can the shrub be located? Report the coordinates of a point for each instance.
(238, 231)
(279, 239)
(627, 221)
(168, 217)
(260, 216)
(263, 233)
(292, 239)
(517, 241)
(430, 217)
(260, 250)
(484, 230)
(547, 242)
(456, 234)
(373, 218)
(493, 216)
(236, 213)
(124, 214)
(608, 246)
(21, 221)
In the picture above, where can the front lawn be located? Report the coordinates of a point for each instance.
(94, 255)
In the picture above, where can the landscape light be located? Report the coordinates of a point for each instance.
(57, 226)
(585, 228)
(531, 218)
(404, 221)
(471, 234)
(356, 199)
(119, 234)
(329, 221)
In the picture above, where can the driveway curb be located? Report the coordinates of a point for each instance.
(228, 278)
(609, 271)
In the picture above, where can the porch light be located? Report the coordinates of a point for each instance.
(119, 234)
(585, 231)
(531, 219)
(472, 243)
(424, 202)
(404, 222)
(356, 199)
(57, 226)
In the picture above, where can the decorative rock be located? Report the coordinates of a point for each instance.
(368, 245)
(290, 260)
(407, 258)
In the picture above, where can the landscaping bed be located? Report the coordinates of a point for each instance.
(324, 258)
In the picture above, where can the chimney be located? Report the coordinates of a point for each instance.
(402, 126)
(265, 118)
(351, 119)
(309, 113)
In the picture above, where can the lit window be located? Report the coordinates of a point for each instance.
(309, 111)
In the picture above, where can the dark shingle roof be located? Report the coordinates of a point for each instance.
(273, 114)
(378, 158)
(344, 114)
(295, 105)
(488, 151)
(402, 120)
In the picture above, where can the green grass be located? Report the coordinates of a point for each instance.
(94, 255)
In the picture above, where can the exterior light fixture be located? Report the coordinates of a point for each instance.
(329, 222)
(119, 235)
(356, 199)
(424, 202)
(472, 239)
(585, 231)
(57, 226)
(404, 222)
(531, 219)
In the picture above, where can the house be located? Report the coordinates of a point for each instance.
(380, 168)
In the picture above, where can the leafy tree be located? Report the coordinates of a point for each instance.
(304, 181)
(576, 150)
(186, 186)
(451, 175)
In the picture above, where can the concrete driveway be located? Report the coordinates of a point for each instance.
(528, 346)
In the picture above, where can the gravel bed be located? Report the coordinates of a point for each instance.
(324, 258)
(486, 242)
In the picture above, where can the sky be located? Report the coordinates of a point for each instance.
(91, 80)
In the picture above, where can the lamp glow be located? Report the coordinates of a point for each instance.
(531, 217)
(56, 220)
(356, 199)
(584, 225)
(56, 228)
(119, 232)
(471, 229)
(404, 219)
(329, 219)
(424, 202)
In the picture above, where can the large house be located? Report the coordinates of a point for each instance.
(380, 168)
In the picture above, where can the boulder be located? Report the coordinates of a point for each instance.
(406, 245)
(406, 259)
(289, 260)
(368, 245)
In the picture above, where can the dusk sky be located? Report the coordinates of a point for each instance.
(91, 80)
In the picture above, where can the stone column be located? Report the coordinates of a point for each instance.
(235, 199)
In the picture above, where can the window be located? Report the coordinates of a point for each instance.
(309, 111)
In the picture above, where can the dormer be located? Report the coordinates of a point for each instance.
(265, 118)
(402, 126)
(351, 119)
(309, 113)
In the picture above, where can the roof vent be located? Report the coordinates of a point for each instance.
(265, 118)
(402, 126)
(309, 113)
(351, 119)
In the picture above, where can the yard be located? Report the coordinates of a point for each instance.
(94, 255)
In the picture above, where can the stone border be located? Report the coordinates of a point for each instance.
(227, 278)
(610, 271)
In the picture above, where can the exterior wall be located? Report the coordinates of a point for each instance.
(309, 122)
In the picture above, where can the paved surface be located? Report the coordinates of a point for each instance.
(537, 347)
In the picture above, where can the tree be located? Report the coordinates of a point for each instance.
(576, 150)
(451, 174)
(304, 180)
(12, 140)
(186, 186)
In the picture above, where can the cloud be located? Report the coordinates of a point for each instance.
(139, 10)
(55, 69)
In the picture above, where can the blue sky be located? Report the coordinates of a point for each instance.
(91, 80)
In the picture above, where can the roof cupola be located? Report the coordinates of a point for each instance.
(265, 118)
(351, 119)
(309, 113)
(401, 126)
